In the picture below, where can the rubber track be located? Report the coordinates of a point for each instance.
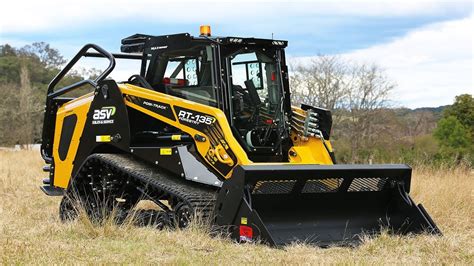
(200, 198)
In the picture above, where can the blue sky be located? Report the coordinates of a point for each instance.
(366, 31)
(330, 34)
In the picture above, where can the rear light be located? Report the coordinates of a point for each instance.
(246, 233)
(269, 121)
(171, 81)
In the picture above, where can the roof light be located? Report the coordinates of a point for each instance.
(235, 40)
(205, 30)
(278, 43)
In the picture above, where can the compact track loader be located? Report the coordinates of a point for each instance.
(206, 128)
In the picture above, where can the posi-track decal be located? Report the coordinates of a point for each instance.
(160, 108)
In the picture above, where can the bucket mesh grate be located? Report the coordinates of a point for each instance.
(367, 184)
(322, 185)
(274, 187)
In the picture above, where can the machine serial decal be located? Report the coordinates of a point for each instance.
(159, 47)
(103, 138)
(103, 115)
(166, 151)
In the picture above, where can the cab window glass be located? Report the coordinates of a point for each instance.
(187, 74)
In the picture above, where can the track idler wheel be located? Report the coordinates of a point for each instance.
(183, 214)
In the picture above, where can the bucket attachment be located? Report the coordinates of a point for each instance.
(319, 204)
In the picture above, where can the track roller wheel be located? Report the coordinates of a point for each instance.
(67, 210)
(153, 218)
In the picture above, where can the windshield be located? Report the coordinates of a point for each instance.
(256, 96)
(186, 74)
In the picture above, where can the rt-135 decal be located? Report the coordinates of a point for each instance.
(210, 127)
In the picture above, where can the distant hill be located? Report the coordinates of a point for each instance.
(436, 111)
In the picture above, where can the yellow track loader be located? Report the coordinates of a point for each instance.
(206, 127)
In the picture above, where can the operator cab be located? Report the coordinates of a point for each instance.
(257, 98)
(244, 77)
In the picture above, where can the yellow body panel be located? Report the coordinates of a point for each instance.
(79, 107)
(306, 150)
(204, 148)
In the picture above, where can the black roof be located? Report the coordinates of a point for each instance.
(142, 43)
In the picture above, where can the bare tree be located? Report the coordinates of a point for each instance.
(26, 107)
(47, 55)
(321, 82)
(354, 92)
(368, 93)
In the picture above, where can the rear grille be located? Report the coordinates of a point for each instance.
(367, 184)
(274, 187)
(322, 185)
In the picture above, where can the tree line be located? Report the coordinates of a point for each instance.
(24, 77)
(366, 128)
(25, 73)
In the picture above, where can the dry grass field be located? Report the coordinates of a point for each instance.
(31, 233)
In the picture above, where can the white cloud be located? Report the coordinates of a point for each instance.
(33, 16)
(430, 65)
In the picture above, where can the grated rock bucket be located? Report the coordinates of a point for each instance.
(319, 204)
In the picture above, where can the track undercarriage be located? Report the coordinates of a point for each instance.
(113, 184)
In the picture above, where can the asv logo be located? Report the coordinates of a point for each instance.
(103, 115)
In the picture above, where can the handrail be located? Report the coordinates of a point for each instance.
(49, 115)
(71, 87)
(117, 56)
(70, 64)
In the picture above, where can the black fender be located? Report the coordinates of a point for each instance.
(104, 134)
